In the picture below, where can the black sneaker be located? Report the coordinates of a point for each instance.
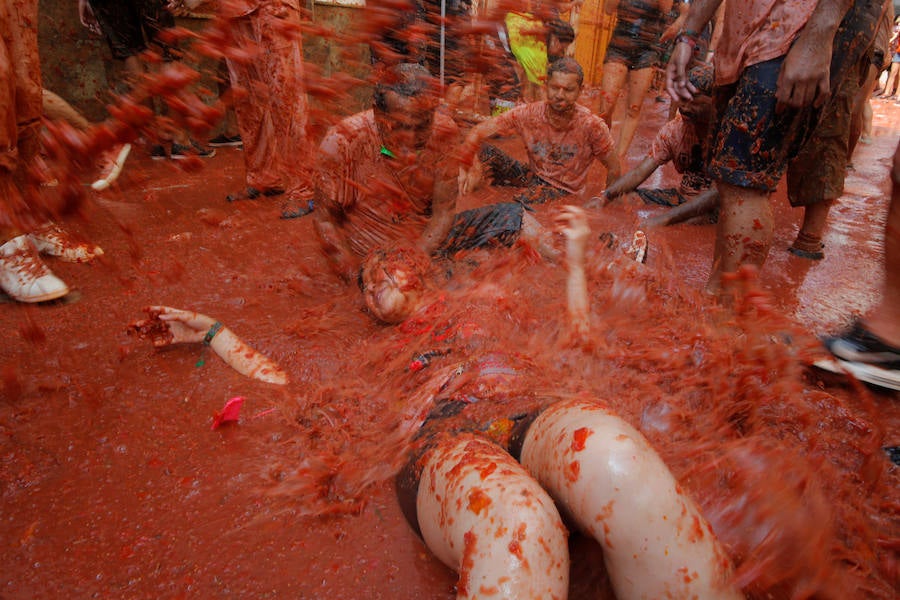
(860, 345)
(223, 140)
(194, 149)
(158, 152)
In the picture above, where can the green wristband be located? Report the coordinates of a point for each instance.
(208, 338)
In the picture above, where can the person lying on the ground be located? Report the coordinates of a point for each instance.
(561, 137)
(495, 520)
(681, 141)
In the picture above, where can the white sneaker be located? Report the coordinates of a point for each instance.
(24, 276)
(53, 241)
(113, 162)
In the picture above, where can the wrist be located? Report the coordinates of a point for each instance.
(213, 331)
(686, 36)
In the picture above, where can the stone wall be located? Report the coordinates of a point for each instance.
(78, 65)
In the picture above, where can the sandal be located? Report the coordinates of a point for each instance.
(251, 193)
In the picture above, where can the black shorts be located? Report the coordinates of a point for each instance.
(130, 26)
(752, 140)
(504, 170)
(407, 480)
(483, 227)
(636, 53)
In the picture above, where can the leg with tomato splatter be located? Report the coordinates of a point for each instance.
(482, 515)
(607, 478)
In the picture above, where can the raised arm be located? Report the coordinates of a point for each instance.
(470, 173)
(166, 325)
(572, 223)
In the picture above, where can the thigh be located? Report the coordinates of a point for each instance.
(483, 515)
(638, 83)
(753, 139)
(611, 83)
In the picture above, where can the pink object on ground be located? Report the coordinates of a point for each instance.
(229, 413)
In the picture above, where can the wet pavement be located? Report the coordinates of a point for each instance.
(113, 484)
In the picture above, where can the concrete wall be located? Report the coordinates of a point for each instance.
(78, 65)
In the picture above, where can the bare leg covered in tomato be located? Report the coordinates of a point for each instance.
(482, 515)
(605, 476)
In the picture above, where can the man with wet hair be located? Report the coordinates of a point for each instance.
(561, 137)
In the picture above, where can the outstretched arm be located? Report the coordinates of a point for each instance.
(613, 167)
(165, 326)
(630, 180)
(703, 203)
(572, 223)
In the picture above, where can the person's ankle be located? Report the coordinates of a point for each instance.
(885, 329)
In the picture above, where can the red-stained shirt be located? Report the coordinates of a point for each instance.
(755, 31)
(374, 199)
(678, 142)
(560, 157)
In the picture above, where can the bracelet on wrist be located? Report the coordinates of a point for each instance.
(213, 331)
(686, 39)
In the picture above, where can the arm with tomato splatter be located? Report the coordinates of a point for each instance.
(166, 326)
(443, 206)
(805, 75)
(572, 223)
(333, 194)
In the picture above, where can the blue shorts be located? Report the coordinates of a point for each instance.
(752, 141)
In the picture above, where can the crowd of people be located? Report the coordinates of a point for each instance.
(383, 186)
